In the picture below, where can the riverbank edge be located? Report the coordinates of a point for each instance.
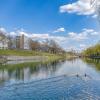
(19, 55)
(4, 59)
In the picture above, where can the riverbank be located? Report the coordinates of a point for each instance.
(20, 58)
(27, 56)
(92, 52)
(21, 53)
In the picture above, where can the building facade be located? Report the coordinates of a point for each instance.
(22, 42)
(3, 42)
(17, 42)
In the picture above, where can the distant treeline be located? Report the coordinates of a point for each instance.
(93, 51)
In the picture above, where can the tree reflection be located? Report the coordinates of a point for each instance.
(95, 62)
(27, 71)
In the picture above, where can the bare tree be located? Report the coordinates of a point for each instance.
(2, 35)
(55, 48)
(34, 45)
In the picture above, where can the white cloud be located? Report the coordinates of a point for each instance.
(61, 29)
(39, 36)
(83, 39)
(77, 36)
(72, 34)
(23, 33)
(3, 30)
(72, 40)
(84, 35)
(80, 7)
(95, 16)
(19, 32)
(83, 46)
(12, 34)
(90, 32)
(58, 39)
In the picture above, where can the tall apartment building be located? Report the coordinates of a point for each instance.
(17, 42)
(22, 42)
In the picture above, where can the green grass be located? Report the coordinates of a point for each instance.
(51, 57)
(93, 50)
(33, 65)
(25, 53)
(19, 52)
(19, 66)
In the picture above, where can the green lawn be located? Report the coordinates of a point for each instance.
(29, 53)
(19, 52)
(23, 53)
(51, 57)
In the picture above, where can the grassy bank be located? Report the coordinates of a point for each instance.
(94, 62)
(93, 51)
(32, 65)
(20, 53)
(26, 53)
(51, 58)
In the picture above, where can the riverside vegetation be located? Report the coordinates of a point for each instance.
(92, 52)
(30, 53)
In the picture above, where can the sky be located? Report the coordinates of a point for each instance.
(72, 23)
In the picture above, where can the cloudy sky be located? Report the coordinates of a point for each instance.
(72, 23)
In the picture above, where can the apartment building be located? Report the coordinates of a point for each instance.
(22, 42)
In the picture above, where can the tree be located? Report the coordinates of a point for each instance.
(34, 45)
(2, 35)
(92, 51)
(55, 48)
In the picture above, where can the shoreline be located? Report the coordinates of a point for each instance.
(19, 58)
(12, 59)
(5, 59)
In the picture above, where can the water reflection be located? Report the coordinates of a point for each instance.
(93, 62)
(27, 72)
(10, 74)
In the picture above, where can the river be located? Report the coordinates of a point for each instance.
(28, 73)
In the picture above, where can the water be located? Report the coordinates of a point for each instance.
(51, 81)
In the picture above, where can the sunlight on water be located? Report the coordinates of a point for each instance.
(56, 80)
(57, 88)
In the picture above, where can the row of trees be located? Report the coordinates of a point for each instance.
(49, 46)
(95, 50)
(92, 51)
(2, 36)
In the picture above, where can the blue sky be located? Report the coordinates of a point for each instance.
(62, 20)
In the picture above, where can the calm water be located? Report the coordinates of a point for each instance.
(51, 81)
